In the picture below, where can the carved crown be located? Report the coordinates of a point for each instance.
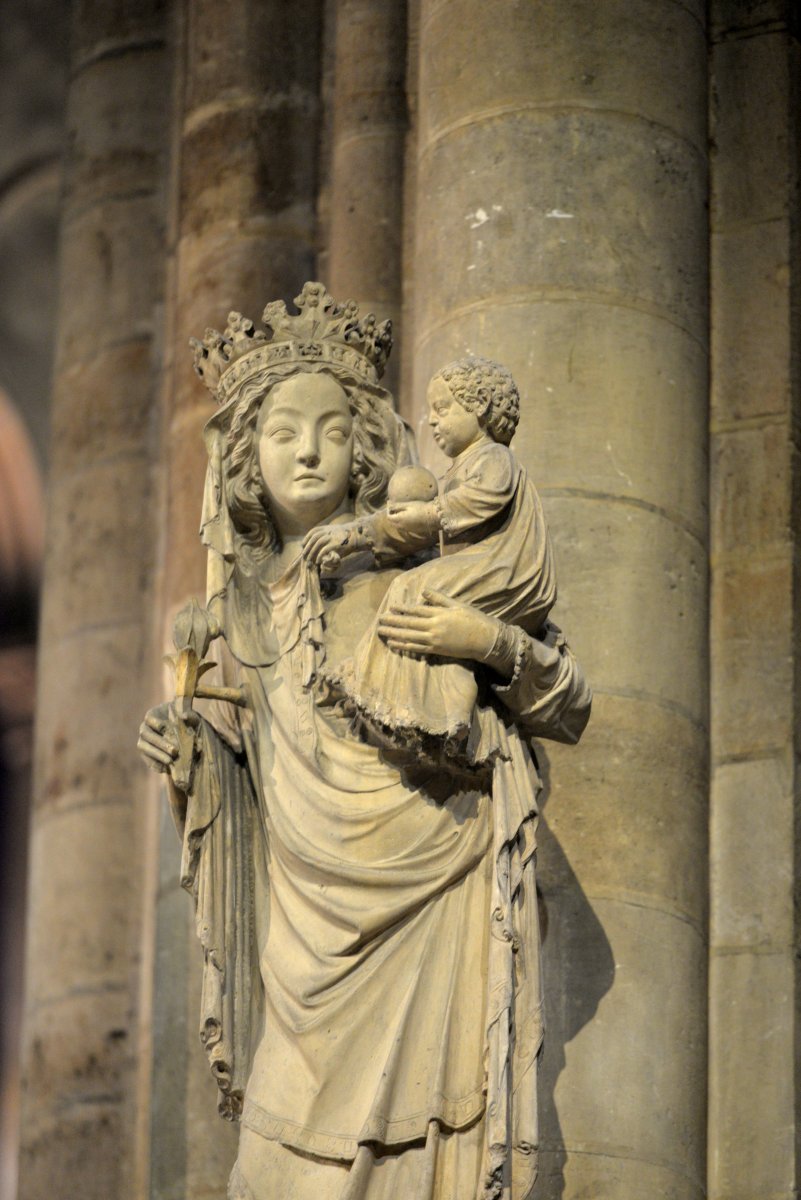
(322, 331)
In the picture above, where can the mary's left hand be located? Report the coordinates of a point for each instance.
(440, 626)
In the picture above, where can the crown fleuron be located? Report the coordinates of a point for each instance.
(322, 331)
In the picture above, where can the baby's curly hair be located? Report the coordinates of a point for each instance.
(480, 384)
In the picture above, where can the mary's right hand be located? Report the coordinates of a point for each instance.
(158, 737)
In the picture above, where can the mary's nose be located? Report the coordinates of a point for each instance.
(309, 451)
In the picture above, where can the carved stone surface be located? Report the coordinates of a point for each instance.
(358, 801)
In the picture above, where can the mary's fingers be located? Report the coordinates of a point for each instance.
(408, 647)
(439, 599)
(319, 533)
(312, 549)
(156, 740)
(315, 551)
(155, 755)
(420, 612)
(401, 624)
(157, 723)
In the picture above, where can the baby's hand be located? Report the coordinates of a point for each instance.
(415, 516)
(326, 545)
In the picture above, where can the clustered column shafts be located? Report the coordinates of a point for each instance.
(366, 188)
(79, 1127)
(754, 989)
(561, 228)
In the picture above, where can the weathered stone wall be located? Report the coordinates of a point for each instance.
(753, 1011)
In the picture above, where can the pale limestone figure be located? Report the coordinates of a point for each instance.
(372, 1005)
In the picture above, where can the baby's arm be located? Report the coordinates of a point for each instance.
(417, 518)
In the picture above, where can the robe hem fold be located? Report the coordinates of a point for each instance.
(450, 1114)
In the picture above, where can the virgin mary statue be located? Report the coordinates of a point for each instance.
(372, 1007)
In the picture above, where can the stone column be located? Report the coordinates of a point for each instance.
(754, 985)
(243, 231)
(366, 188)
(561, 228)
(82, 1019)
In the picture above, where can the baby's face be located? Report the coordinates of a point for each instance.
(454, 428)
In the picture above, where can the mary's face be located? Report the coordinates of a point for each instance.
(305, 433)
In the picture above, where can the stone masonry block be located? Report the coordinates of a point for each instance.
(267, 48)
(115, 249)
(118, 136)
(632, 598)
(627, 811)
(641, 1017)
(97, 25)
(752, 852)
(593, 1172)
(89, 714)
(92, 512)
(550, 205)
(751, 322)
(103, 405)
(752, 648)
(751, 129)
(85, 1146)
(78, 1044)
(751, 489)
(82, 864)
(751, 1126)
(620, 58)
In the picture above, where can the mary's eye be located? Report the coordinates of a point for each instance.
(283, 433)
(337, 435)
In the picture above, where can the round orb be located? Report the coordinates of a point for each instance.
(412, 483)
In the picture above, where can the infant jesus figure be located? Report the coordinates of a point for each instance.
(495, 554)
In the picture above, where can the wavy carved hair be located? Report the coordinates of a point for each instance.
(243, 486)
(482, 383)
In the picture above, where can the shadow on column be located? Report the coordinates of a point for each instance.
(579, 969)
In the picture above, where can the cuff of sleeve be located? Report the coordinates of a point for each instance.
(444, 519)
(510, 645)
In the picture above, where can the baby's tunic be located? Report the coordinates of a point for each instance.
(491, 515)
(496, 555)
(476, 489)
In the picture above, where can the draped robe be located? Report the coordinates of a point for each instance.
(372, 1003)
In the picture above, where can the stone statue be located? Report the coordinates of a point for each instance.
(359, 841)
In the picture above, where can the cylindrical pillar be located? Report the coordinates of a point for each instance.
(561, 228)
(754, 964)
(243, 231)
(366, 188)
(82, 1017)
